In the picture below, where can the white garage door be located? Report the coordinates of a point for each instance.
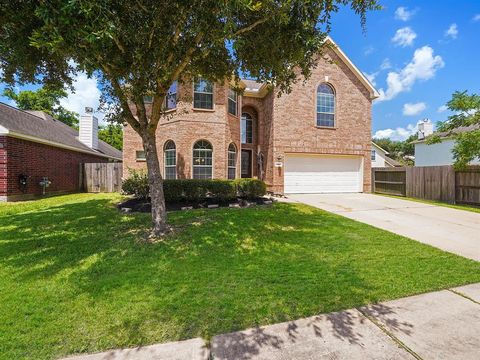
(322, 174)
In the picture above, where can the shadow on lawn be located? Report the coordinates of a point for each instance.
(227, 270)
(45, 242)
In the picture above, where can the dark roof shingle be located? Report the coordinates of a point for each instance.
(42, 126)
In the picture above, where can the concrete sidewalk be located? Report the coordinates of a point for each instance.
(438, 325)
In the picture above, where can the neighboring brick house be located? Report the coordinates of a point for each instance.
(34, 146)
(315, 139)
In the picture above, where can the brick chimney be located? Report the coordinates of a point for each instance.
(88, 132)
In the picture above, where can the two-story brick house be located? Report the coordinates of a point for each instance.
(314, 139)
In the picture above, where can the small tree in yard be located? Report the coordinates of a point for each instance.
(47, 100)
(139, 48)
(466, 110)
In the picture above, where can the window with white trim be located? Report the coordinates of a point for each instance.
(374, 155)
(170, 160)
(171, 98)
(325, 105)
(202, 94)
(246, 129)
(232, 161)
(232, 101)
(202, 160)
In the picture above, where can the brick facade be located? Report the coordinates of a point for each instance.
(282, 125)
(61, 166)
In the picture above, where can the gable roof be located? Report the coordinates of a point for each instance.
(379, 148)
(254, 88)
(448, 134)
(392, 162)
(373, 92)
(38, 126)
(257, 89)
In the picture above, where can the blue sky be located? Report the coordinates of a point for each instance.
(417, 53)
(429, 48)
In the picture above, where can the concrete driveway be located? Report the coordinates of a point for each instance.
(456, 231)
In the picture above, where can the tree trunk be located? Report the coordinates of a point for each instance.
(159, 214)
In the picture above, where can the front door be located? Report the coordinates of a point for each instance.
(246, 163)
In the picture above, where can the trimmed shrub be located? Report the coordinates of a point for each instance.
(250, 188)
(192, 190)
(136, 184)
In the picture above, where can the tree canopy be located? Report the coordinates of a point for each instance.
(466, 108)
(139, 48)
(112, 134)
(47, 100)
(398, 150)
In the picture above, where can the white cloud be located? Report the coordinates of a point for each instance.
(412, 109)
(385, 65)
(404, 37)
(476, 17)
(402, 13)
(397, 134)
(452, 31)
(423, 66)
(86, 93)
(368, 50)
(371, 77)
(442, 109)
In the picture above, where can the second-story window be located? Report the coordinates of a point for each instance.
(232, 101)
(171, 98)
(246, 128)
(202, 94)
(374, 155)
(325, 105)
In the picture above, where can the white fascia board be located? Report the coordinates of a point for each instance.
(378, 147)
(373, 92)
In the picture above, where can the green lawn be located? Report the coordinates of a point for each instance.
(74, 279)
(439, 203)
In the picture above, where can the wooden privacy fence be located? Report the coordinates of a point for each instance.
(442, 183)
(101, 177)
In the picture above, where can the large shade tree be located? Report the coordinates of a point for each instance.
(463, 126)
(139, 48)
(44, 99)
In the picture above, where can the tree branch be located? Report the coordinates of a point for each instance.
(119, 45)
(134, 123)
(161, 88)
(249, 27)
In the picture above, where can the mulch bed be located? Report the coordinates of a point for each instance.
(143, 205)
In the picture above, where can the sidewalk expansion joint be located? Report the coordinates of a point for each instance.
(390, 334)
(464, 296)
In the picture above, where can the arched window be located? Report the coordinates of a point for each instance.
(246, 128)
(325, 105)
(170, 160)
(202, 160)
(232, 161)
